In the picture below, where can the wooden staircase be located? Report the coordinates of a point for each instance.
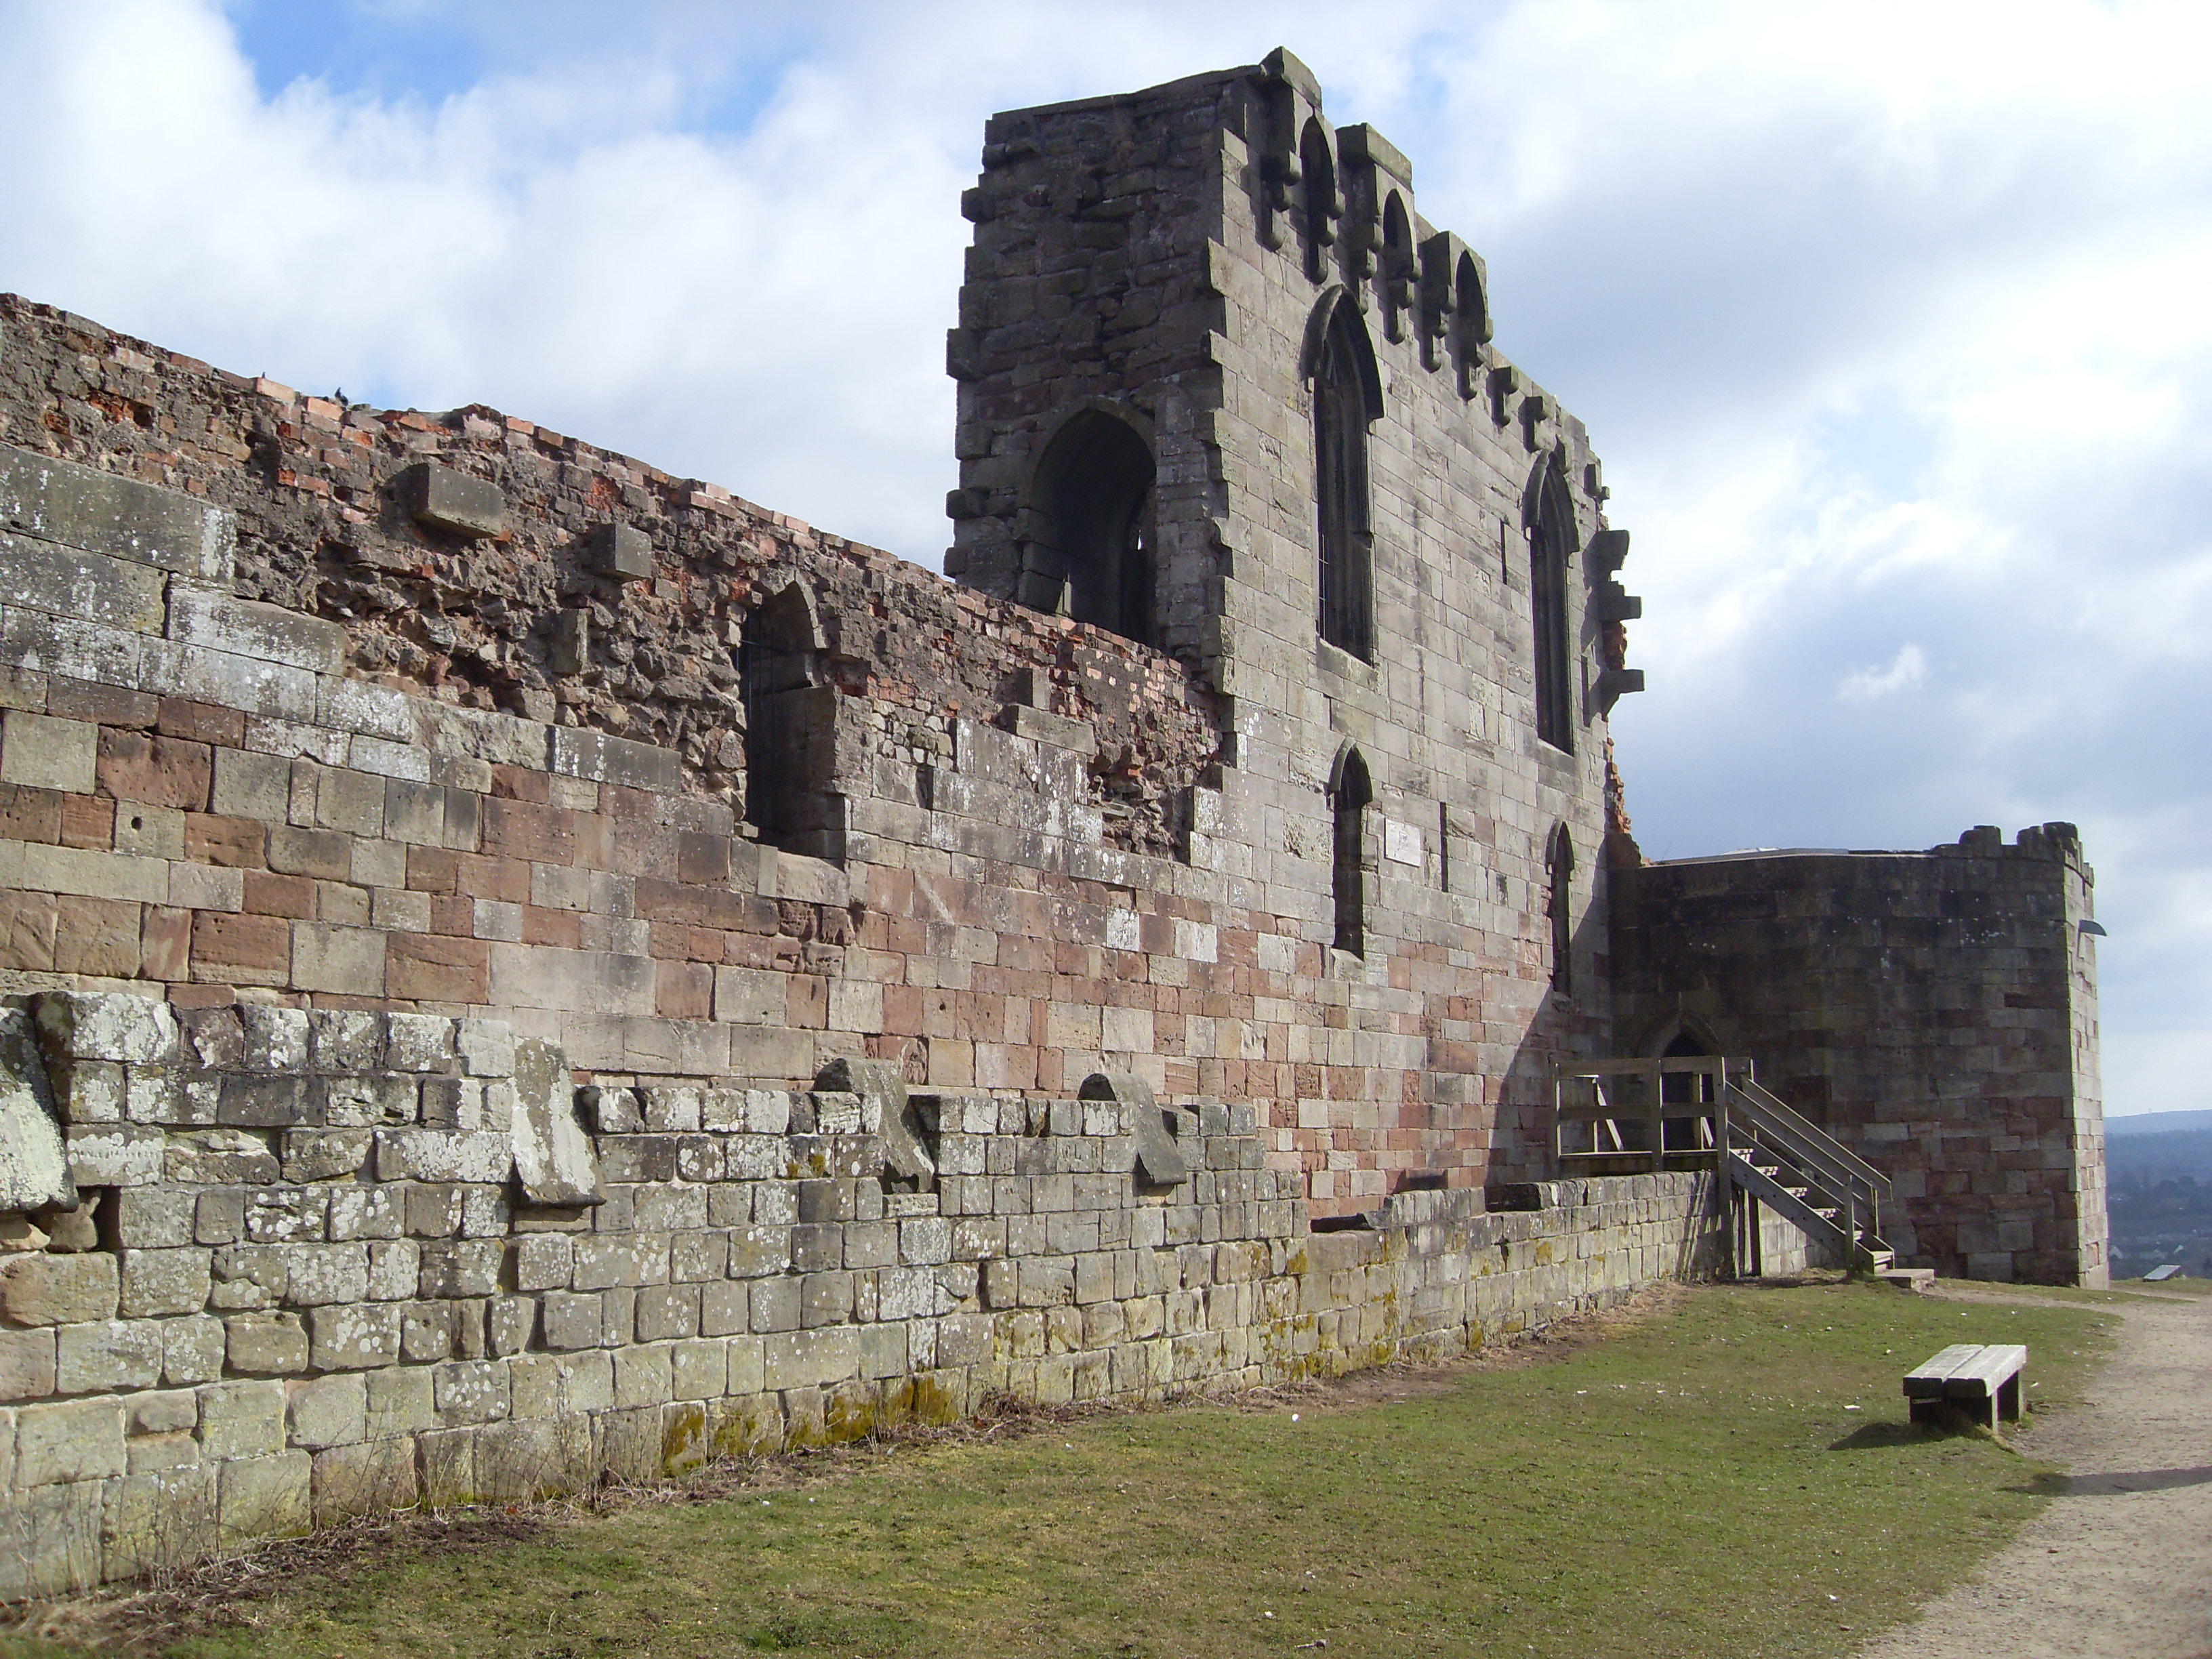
(1802, 1173)
(1714, 1114)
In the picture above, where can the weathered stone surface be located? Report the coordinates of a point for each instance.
(75, 1440)
(266, 1344)
(34, 1171)
(443, 1155)
(106, 1025)
(41, 753)
(209, 617)
(58, 1290)
(553, 1156)
(74, 506)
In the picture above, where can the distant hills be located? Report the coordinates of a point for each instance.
(2153, 1123)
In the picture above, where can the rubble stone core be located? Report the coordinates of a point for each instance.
(517, 966)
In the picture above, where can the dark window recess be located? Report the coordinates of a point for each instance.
(791, 712)
(1560, 908)
(1348, 804)
(1318, 168)
(1092, 521)
(1341, 417)
(1399, 269)
(1549, 551)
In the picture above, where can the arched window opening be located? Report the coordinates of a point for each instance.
(1318, 168)
(791, 712)
(1345, 400)
(1559, 909)
(1397, 267)
(1349, 800)
(1550, 548)
(1091, 501)
(1471, 326)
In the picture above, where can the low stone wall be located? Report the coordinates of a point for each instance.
(271, 1267)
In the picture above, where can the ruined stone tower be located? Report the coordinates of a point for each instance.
(1224, 390)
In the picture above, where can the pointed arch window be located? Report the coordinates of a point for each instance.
(1347, 398)
(1349, 798)
(1550, 548)
(1093, 527)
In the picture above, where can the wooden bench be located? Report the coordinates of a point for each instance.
(1981, 1379)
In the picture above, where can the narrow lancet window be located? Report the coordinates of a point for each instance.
(1341, 412)
(1549, 551)
(1348, 802)
(1559, 909)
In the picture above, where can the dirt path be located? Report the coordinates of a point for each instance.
(2120, 1563)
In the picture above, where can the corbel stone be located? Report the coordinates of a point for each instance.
(905, 1156)
(459, 503)
(1614, 683)
(622, 551)
(1605, 552)
(1160, 1161)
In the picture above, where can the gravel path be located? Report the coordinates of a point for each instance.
(2120, 1563)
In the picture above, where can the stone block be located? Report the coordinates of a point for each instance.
(63, 502)
(327, 1411)
(265, 1344)
(58, 1290)
(456, 503)
(265, 1497)
(220, 1158)
(443, 1156)
(107, 1356)
(347, 961)
(164, 1281)
(323, 1154)
(115, 1154)
(26, 1364)
(622, 551)
(247, 628)
(598, 757)
(41, 752)
(50, 1540)
(161, 1519)
(376, 1477)
(106, 1025)
(68, 1441)
(192, 1350)
(553, 1156)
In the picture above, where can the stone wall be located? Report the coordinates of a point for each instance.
(1936, 1011)
(313, 1264)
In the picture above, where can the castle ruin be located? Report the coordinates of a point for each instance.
(520, 966)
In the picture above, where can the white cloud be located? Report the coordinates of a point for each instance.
(1887, 317)
(1906, 671)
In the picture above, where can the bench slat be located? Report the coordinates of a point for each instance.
(1926, 1379)
(1996, 1364)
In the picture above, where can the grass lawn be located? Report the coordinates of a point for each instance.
(1733, 1477)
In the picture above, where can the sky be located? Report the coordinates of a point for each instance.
(1889, 321)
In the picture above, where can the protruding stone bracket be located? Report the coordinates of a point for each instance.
(906, 1158)
(34, 1171)
(457, 503)
(553, 1156)
(1160, 1161)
